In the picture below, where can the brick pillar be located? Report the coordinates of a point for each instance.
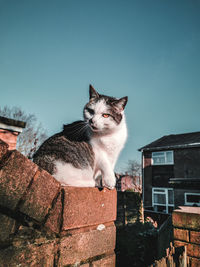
(9, 137)
(9, 131)
(186, 224)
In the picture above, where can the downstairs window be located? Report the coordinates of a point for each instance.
(163, 199)
(192, 199)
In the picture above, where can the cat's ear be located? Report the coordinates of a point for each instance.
(93, 92)
(121, 103)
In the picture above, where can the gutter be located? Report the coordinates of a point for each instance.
(169, 147)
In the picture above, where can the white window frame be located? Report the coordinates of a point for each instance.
(165, 156)
(191, 203)
(163, 192)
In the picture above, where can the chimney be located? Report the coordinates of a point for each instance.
(9, 131)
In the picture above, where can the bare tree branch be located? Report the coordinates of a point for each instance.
(32, 136)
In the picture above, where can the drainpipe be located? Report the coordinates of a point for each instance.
(143, 183)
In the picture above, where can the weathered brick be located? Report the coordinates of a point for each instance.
(3, 149)
(88, 206)
(181, 234)
(187, 217)
(54, 220)
(195, 237)
(193, 250)
(108, 261)
(82, 246)
(40, 196)
(15, 176)
(7, 227)
(178, 243)
(29, 255)
(194, 262)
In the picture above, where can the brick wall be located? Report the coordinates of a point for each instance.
(45, 224)
(10, 137)
(186, 224)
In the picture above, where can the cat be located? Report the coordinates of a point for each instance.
(87, 150)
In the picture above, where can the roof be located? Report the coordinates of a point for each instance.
(174, 141)
(11, 124)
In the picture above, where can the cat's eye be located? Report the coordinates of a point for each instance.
(91, 111)
(105, 115)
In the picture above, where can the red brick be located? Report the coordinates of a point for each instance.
(29, 255)
(54, 220)
(178, 243)
(195, 237)
(194, 262)
(108, 261)
(40, 196)
(181, 234)
(9, 137)
(88, 206)
(15, 176)
(7, 227)
(82, 246)
(187, 217)
(147, 162)
(3, 149)
(193, 250)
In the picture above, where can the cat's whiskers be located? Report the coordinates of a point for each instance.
(80, 130)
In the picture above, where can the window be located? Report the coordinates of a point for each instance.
(162, 158)
(192, 199)
(163, 199)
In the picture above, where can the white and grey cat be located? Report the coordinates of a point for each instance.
(86, 150)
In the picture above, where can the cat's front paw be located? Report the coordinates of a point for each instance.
(110, 183)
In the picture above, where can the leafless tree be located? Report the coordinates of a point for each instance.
(134, 168)
(32, 136)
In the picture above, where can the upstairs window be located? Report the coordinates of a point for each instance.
(163, 158)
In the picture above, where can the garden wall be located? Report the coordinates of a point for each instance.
(45, 224)
(186, 223)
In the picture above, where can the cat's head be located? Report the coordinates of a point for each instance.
(104, 113)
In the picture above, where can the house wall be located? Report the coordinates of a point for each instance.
(147, 174)
(45, 224)
(126, 183)
(179, 195)
(186, 165)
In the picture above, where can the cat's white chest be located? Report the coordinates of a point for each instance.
(110, 146)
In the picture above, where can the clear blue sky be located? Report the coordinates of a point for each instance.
(51, 50)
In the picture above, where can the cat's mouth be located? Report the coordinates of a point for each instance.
(94, 129)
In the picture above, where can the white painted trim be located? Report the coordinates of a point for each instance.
(164, 192)
(12, 128)
(165, 155)
(191, 203)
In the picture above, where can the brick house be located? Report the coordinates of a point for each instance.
(128, 182)
(171, 172)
